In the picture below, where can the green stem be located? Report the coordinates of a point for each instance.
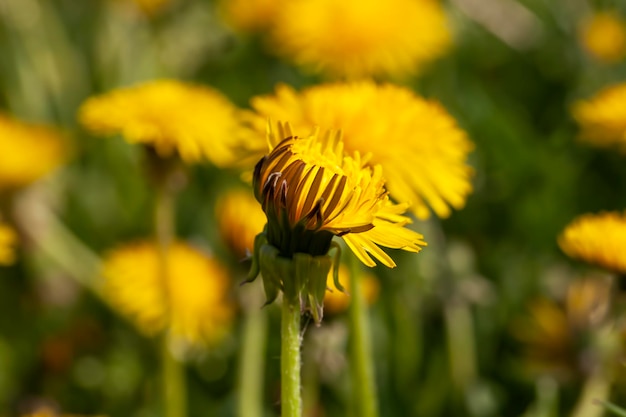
(251, 365)
(290, 360)
(174, 387)
(361, 363)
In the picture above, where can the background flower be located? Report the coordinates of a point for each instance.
(421, 149)
(172, 117)
(603, 117)
(28, 151)
(599, 239)
(362, 38)
(8, 240)
(603, 36)
(192, 306)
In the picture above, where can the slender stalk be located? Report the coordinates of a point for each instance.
(251, 363)
(290, 360)
(596, 390)
(365, 400)
(174, 387)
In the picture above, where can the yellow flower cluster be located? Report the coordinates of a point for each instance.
(8, 240)
(172, 117)
(191, 303)
(29, 152)
(603, 117)
(421, 149)
(599, 239)
(250, 15)
(363, 38)
(603, 36)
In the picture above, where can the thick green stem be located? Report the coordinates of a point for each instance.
(291, 399)
(365, 400)
(174, 387)
(252, 363)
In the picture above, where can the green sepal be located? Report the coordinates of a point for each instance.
(255, 267)
(336, 263)
(269, 271)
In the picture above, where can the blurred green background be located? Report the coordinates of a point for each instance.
(446, 323)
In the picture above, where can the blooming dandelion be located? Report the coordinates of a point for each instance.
(603, 117)
(598, 239)
(603, 36)
(8, 241)
(171, 117)
(422, 151)
(250, 15)
(356, 39)
(29, 151)
(192, 306)
(310, 192)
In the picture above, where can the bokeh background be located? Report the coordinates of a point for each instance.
(491, 319)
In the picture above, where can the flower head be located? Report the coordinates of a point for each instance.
(598, 239)
(29, 152)
(8, 240)
(240, 219)
(603, 35)
(172, 117)
(310, 191)
(603, 117)
(192, 305)
(363, 38)
(421, 149)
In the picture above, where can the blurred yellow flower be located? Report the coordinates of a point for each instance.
(310, 191)
(28, 152)
(421, 149)
(240, 219)
(363, 38)
(603, 36)
(192, 305)
(556, 335)
(172, 117)
(336, 301)
(250, 15)
(603, 117)
(8, 241)
(598, 239)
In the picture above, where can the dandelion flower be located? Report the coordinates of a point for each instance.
(598, 239)
(250, 15)
(603, 36)
(310, 191)
(362, 38)
(29, 152)
(603, 117)
(240, 219)
(8, 240)
(172, 117)
(192, 304)
(337, 300)
(419, 145)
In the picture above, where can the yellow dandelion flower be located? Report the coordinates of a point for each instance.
(603, 118)
(250, 15)
(362, 38)
(192, 305)
(240, 219)
(603, 36)
(598, 239)
(170, 116)
(8, 241)
(419, 145)
(310, 191)
(337, 301)
(29, 152)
